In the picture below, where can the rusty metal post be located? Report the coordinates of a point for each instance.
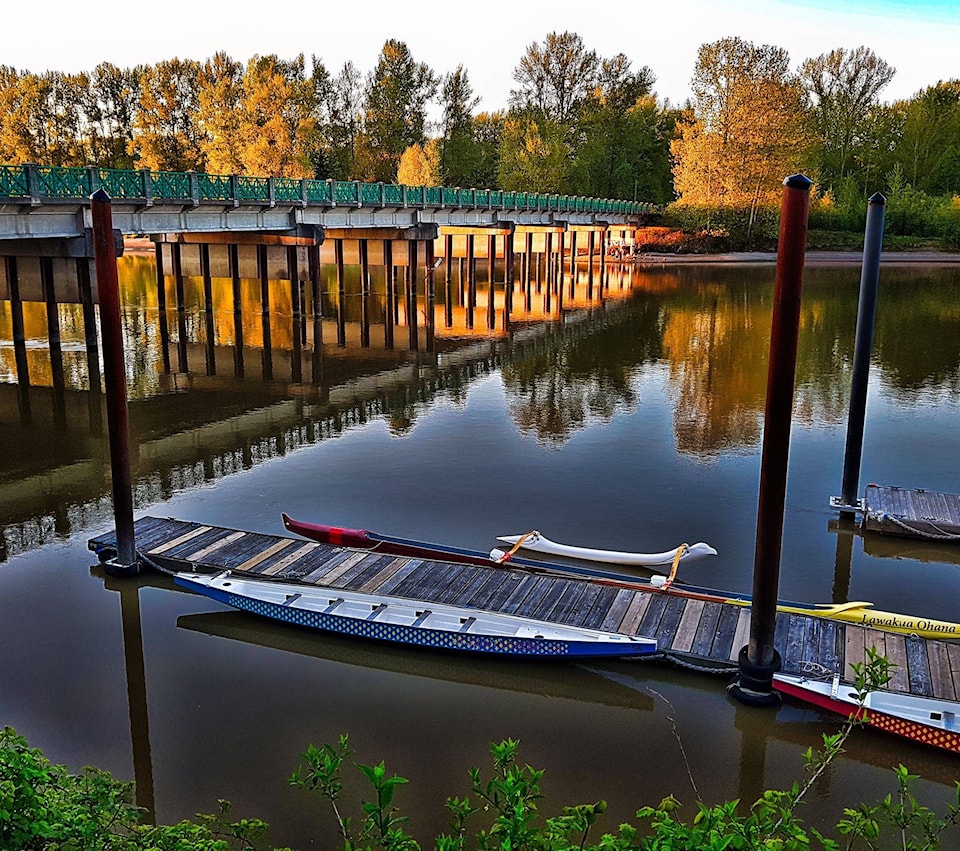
(862, 348)
(759, 660)
(108, 292)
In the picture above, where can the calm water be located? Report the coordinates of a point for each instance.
(634, 424)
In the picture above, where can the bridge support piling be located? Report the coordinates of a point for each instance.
(412, 252)
(471, 281)
(19, 340)
(492, 267)
(341, 294)
(162, 308)
(390, 309)
(430, 296)
(177, 269)
(591, 244)
(448, 281)
(510, 276)
(759, 660)
(313, 258)
(53, 336)
(210, 347)
(363, 249)
(108, 290)
(91, 344)
(233, 260)
(264, 272)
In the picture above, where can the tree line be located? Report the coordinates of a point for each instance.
(576, 123)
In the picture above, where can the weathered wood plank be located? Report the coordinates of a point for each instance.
(533, 599)
(550, 599)
(216, 545)
(374, 583)
(634, 614)
(741, 634)
(263, 555)
(706, 629)
(176, 542)
(896, 654)
(918, 667)
(598, 611)
(568, 602)
(651, 618)
(723, 639)
(616, 612)
(390, 584)
(667, 628)
(941, 680)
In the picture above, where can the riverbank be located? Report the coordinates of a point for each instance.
(812, 258)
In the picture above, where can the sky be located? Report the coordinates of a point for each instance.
(920, 38)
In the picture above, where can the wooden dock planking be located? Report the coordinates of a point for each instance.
(911, 512)
(700, 630)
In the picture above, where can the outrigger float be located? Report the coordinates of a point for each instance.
(861, 613)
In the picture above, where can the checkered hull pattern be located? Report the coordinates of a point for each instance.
(924, 733)
(425, 637)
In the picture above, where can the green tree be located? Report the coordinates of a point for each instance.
(929, 146)
(534, 155)
(844, 86)
(623, 137)
(554, 77)
(395, 100)
(460, 153)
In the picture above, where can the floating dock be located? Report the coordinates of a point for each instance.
(912, 513)
(690, 631)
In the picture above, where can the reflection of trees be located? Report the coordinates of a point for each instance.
(563, 387)
(717, 352)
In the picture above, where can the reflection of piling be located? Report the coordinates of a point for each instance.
(108, 290)
(866, 310)
(759, 660)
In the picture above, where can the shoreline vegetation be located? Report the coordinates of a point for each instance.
(576, 124)
(44, 806)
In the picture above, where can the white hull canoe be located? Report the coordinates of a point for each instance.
(537, 542)
(922, 719)
(411, 622)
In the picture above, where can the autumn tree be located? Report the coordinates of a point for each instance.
(395, 100)
(220, 98)
(111, 107)
(420, 165)
(167, 128)
(747, 129)
(844, 86)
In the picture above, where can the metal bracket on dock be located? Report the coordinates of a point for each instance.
(837, 503)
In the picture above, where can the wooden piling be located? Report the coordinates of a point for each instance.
(759, 660)
(108, 289)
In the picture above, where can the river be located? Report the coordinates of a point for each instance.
(636, 423)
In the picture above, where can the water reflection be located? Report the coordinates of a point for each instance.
(254, 379)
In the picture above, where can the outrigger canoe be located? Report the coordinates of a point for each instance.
(921, 719)
(856, 612)
(412, 622)
(540, 543)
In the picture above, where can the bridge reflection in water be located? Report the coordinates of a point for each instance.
(261, 361)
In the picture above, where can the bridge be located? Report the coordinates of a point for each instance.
(49, 202)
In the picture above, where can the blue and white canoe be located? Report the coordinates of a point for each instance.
(411, 622)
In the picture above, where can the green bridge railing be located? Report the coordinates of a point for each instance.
(38, 183)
